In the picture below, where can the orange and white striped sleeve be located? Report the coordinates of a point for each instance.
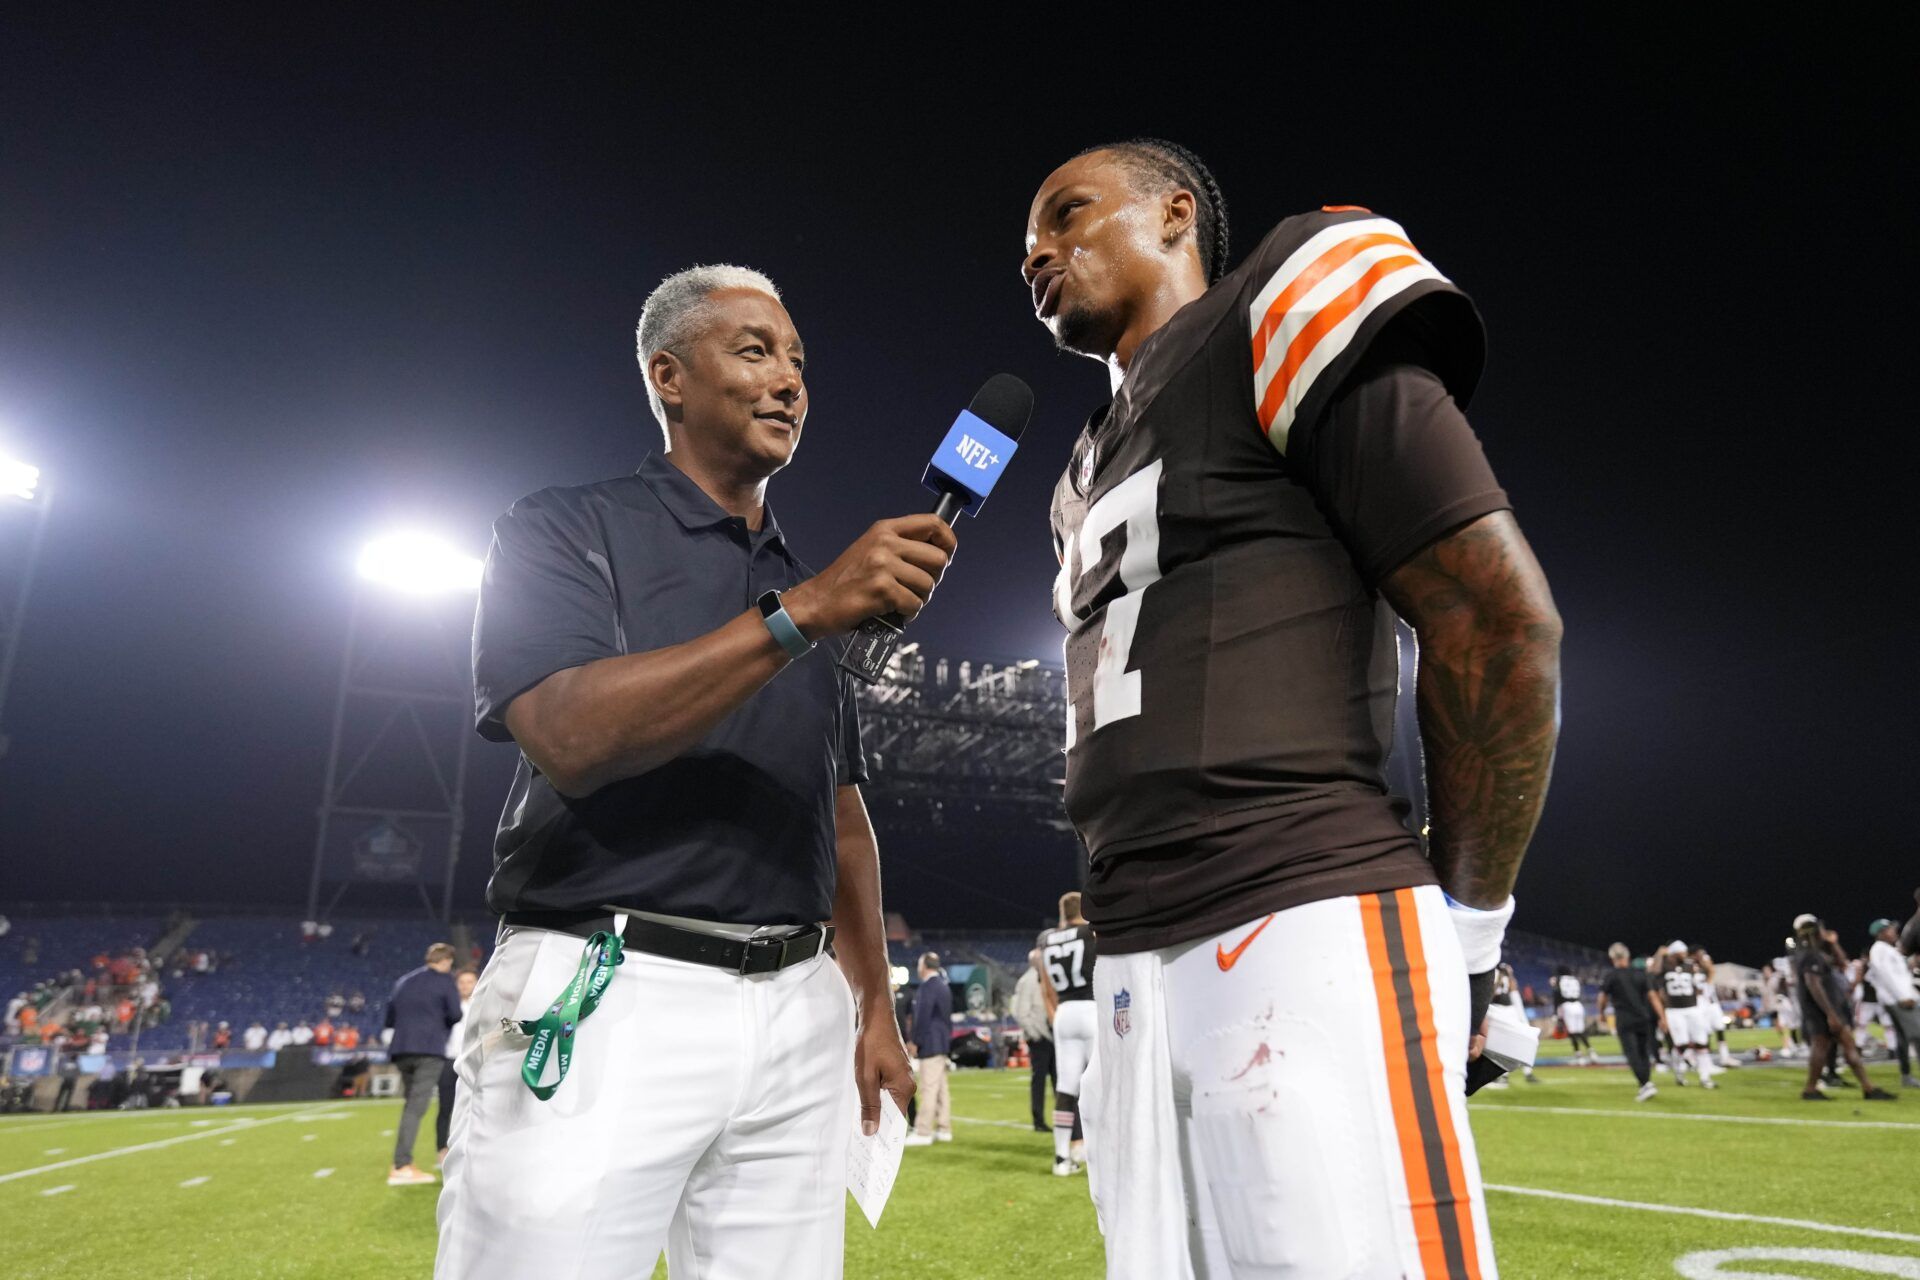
(1308, 314)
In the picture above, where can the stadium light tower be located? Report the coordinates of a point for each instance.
(20, 483)
(398, 758)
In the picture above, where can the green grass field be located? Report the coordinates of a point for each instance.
(299, 1190)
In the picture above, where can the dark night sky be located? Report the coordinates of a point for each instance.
(265, 292)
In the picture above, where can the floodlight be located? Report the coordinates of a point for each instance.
(419, 564)
(17, 479)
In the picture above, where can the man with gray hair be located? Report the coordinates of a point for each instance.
(1624, 992)
(660, 1049)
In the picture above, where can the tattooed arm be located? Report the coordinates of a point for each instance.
(1488, 696)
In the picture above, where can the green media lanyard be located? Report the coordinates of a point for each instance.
(553, 1030)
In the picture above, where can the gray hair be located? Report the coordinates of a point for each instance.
(677, 309)
(1618, 951)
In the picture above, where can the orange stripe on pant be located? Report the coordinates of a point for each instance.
(1443, 1101)
(1402, 1083)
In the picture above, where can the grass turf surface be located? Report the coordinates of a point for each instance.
(235, 1192)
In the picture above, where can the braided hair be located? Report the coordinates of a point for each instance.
(1162, 166)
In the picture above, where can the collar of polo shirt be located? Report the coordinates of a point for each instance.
(689, 503)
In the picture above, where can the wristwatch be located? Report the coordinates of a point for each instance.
(781, 624)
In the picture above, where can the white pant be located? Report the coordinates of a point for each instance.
(1573, 1016)
(1291, 1109)
(1693, 1026)
(704, 1111)
(1073, 1041)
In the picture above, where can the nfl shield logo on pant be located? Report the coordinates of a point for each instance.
(1122, 1018)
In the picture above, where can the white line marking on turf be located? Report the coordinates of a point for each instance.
(53, 1119)
(1724, 1216)
(308, 1137)
(227, 1142)
(1706, 1265)
(55, 1151)
(999, 1124)
(54, 1191)
(194, 1182)
(144, 1146)
(323, 1173)
(1509, 1109)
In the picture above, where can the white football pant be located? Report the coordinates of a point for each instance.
(1073, 1041)
(1573, 1015)
(704, 1111)
(1289, 1102)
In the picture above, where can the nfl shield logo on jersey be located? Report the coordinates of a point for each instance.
(1086, 469)
(1122, 1018)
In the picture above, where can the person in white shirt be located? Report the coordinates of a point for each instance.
(302, 1033)
(443, 1119)
(1894, 981)
(255, 1038)
(279, 1038)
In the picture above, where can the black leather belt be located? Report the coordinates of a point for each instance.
(743, 956)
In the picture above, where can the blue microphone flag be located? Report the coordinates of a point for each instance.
(969, 460)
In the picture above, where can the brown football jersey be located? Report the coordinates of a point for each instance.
(1277, 447)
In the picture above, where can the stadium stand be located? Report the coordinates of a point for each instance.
(268, 972)
(257, 968)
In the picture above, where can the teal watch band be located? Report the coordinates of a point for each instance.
(780, 623)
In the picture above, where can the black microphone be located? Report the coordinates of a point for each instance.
(963, 471)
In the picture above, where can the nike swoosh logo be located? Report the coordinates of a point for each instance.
(1227, 959)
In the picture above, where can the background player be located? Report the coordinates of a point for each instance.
(1777, 980)
(1573, 1014)
(1506, 990)
(1283, 466)
(1066, 957)
(1677, 996)
(1712, 1014)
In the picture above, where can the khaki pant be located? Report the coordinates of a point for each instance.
(936, 1111)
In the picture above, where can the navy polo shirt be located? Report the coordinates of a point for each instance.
(741, 827)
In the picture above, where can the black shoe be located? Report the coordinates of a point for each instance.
(1879, 1095)
(1814, 1095)
(1043, 1128)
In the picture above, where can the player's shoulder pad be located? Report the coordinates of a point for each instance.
(1319, 288)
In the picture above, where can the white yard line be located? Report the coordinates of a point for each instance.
(308, 1137)
(998, 1124)
(323, 1173)
(54, 1191)
(194, 1182)
(146, 1146)
(1801, 1224)
(54, 1151)
(1511, 1108)
(53, 1119)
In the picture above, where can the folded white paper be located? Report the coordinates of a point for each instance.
(873, 1162)
(1511, 1041)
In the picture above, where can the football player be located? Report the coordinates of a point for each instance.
(1676, 996)
(1506, 990)
(1573, 1015)
(1715, 1014)
(1285, 1012)
(1066, 970)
